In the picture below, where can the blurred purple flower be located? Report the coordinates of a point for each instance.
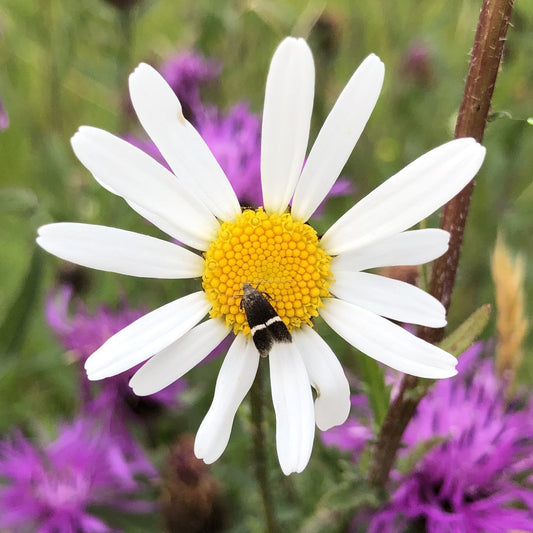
(82, 332)
(4, 118)
(235, 141)
(49, 489)
(185, 72)
(417, 64)
(468, 483)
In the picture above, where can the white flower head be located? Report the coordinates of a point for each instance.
(272, 246)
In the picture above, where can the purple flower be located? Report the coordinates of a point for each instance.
(417, 64)
(467, 483)
(49, 489)
(235, 141)
(185, 73)
(82, 332)
(4, 117)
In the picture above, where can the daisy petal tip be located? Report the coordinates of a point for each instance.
(138, 386)
(75, 139)
(143, 71)
(94, 375)
(446, 370)
(288, 469)
(375, 62)
(205, 452)
(94, 369)
(295, 45)
(445, 373)
(84, 135)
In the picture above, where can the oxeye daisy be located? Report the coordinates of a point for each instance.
(271, 248)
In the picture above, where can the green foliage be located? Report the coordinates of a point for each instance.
(15, 324)
(463, 337)
(373, 377)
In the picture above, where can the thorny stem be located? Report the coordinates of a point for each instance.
(484, 64)
(257, 401)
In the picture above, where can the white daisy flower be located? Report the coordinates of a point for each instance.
(272, 247)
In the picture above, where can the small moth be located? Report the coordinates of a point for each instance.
(265, 324)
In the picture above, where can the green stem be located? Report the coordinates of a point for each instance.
(257, 400)
(472, 120)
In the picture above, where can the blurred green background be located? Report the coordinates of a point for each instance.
(64, 63)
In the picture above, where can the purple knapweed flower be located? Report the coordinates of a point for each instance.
(82, 332)
(50, 489)
(468, 483)
(234, 139)
(186, 72)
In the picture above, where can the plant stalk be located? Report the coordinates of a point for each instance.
(257, 401)
(484, 65)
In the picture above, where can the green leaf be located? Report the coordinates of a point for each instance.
(338, 505)
(16, 320)
(378, 393)
(406, 464)
(463, 337)
(530, 121)
(498, 115)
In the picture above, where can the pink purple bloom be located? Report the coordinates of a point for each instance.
(4, 117)
(417, 64)
(469, 482)
(186, 72)
(50, 489)
(235, 141)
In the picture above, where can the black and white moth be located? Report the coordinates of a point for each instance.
(265, 324)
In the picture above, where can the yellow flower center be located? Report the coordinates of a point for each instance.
(276, 254)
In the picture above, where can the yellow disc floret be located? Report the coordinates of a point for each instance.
(276, 254)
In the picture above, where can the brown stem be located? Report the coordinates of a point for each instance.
(471, 122)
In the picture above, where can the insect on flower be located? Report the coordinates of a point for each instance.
(266, 326)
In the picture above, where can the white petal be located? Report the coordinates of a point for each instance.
(414, 247)
(120, 251)
(160, 114)
(389, 298)
(286, 121)
(178, 358)
(293, 405)
(233, 383)
(143, 182)
(147, 336)
(332, 404)
(386, 342)
(338, 136)
(407, 197)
